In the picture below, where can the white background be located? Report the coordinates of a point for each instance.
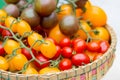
(112, 9)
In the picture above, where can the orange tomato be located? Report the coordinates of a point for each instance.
(10, 22)
(23, 27)
(33, 38)
(88, 4)
(30, 70)
(48, 49)
(3, 63)
(3, 15)
(17, 62)
(56, 34)
(78, 12)
(49, 70)
(65, 9)
(81, 33)
(96, 16)
(11, 45)
(97, 56)
(102, 34)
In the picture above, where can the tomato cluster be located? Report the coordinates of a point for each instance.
(51, 39)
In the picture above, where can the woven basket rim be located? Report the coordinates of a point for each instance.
(82, 69)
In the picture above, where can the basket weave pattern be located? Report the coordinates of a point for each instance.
(93, 71)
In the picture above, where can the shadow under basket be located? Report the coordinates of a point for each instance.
(93, 71)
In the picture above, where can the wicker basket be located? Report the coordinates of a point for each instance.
(93, 71)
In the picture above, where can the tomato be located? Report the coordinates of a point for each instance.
(49, 70)
(104, 45)
(11, 45)
(2, 51)
(102, 34)
(93, 46)
(52, 40)
(30, 70)
(17, 62)
(42, 59)
(65, 42)
(97, 56)
(3, 15)
(23, 27)
(80, 59)
(6, 33)
(25, 52)
(10, 22)
(48, 49)
(67, 52)
(74, 41)
(3, 63)
(33, 38)
(80, 46)
(58, 53)
(1, 29)
(65, 64)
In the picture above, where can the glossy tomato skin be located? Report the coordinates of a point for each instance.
(93, 46)
(2, 51)
(67, 52)
(104, 45)
(26, 53)
(42, 59)
(6, 33)
(52, 40)
(58, 53)
(80, 59)
(80, 46)
(74, 41)
(65, 42)
(65, 64)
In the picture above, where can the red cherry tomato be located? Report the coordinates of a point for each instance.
(52, 40)
(74, 41)
(26, 53)
(65, 42)
(67, 52)
(104, 45)
(65, 64)
(97, 56)
(1, 30)
(80, 59)
(93, 46)
(58, 52)
(2, 51)
(6, 33)
(80, 46)
(42, 59)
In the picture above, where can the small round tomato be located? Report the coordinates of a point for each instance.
(65, 64)
(80, 46)
(104, 45)
(23, 27)
(80, 59)
(3, 63)
(49, 70)
(2, 51)
(97, 56)
(30, 70)
(11, 45)
(93, 46)
(33, 38)
(67, 52)
(43, 60)
(58, 52)
(1, 29)
(3, 15)
(65, 42)
(48, 49)
(6, 33)
(52, 40)
(74, 41)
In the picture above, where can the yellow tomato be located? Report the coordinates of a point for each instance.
(11, 45)
(49, 70)
(48, 49)
(3, 63)
(17, 62)
(33, 38)
(3, 15)
(10, 22)
(23, 27)
(30, 70)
